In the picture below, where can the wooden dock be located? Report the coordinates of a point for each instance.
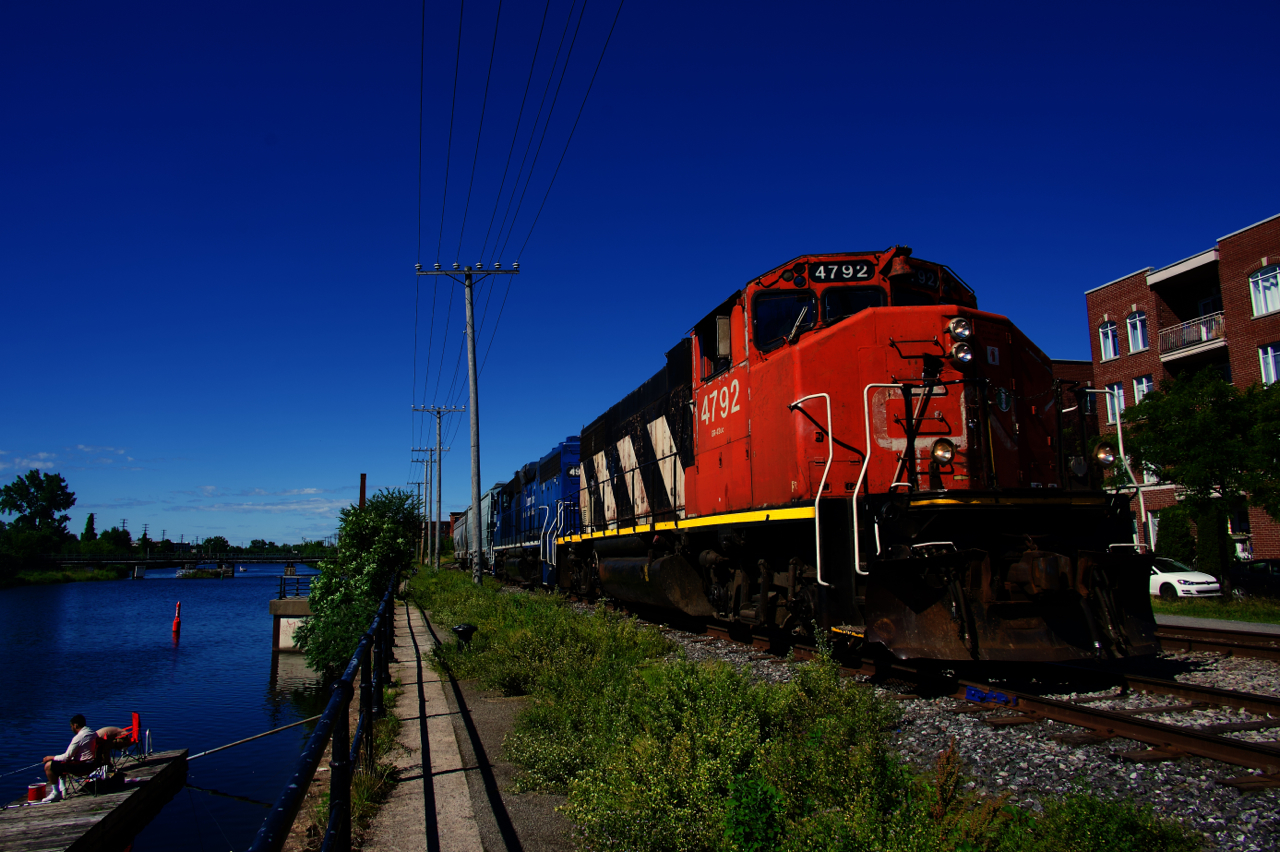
(106, 821)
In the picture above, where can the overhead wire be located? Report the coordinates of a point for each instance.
(515, 135)
(417, 288)
(574, 128)
(452, 108)
(551, 75)
(493, 49)
(546, 125)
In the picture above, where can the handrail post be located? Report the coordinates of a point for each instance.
(366, 710)
(338, 832)
(375, 668)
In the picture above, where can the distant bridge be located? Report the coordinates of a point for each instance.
(185, 559)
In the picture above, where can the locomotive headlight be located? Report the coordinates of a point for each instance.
(960, 329)
(943, 450)
(1105, 455)
(961, 353)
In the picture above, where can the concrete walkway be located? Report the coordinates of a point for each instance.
(428, 810)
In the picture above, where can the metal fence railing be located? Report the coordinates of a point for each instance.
(294, 587)
(1199, 330)
(372, 661)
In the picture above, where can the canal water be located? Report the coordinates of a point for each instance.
(106, 649)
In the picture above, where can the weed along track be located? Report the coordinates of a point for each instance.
(678, 731)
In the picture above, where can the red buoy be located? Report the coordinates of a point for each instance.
(177, 622)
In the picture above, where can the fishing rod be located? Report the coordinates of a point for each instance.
(23, 769)
(254, 737)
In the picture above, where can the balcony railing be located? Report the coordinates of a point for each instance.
(1193, 332)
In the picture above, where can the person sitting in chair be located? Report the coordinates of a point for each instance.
(78, 759)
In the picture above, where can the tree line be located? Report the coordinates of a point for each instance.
(40, 502)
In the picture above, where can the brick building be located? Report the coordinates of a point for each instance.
(1218, 308)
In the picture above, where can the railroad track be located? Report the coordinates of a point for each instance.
(1238, 643)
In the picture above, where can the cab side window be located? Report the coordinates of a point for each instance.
(775, 314)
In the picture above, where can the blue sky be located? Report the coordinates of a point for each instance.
(210, 212)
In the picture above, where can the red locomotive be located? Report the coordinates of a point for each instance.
(848, 444)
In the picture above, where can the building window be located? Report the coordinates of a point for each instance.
(1142, 386)
(1264, 289)
(1115, 401)
(1110, 340)
(1137, 331)
(1269, 355)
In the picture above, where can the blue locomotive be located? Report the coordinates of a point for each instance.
(522, 518)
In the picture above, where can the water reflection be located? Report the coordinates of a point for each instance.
(108, 649)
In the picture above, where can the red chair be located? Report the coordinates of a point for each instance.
(128, 742)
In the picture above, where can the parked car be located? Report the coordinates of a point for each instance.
(1171, 579)
(1259, 577)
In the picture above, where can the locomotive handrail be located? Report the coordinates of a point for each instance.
(542, 537)
(862, 475)
(831, 448)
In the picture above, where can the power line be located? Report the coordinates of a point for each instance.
(449, 150)
(546, 125)
(445, 344)
(422, 74)
(534, 131)
(575, 127)
(516, 133)
(493, 49)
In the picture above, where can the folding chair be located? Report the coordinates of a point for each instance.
(128, 743)
(100, 770)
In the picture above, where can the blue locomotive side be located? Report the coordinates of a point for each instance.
(537, 503)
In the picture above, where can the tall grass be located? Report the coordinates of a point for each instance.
(666, 755)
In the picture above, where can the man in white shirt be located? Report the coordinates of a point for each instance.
(78, 759)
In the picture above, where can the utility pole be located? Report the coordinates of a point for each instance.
(419, 483)
(439, 451)
(426, 506)
(474, 396)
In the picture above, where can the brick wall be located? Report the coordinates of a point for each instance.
(1239, 256)
(1115, 303)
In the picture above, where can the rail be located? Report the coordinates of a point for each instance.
(1193, 332)
(372, 657)
(294, 587)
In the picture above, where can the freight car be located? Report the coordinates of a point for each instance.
(847, 444)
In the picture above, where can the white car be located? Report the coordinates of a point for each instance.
(1171, 580)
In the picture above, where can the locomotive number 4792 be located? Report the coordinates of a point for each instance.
(727, 400)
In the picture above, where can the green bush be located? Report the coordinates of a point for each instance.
(671, 756)
(375, 543)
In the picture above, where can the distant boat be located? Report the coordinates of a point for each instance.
(243, 569)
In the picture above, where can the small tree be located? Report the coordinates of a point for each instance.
(1198, 432)
(89, 534)
(375, 543)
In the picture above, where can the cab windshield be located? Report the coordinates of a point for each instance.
(775, 314)
(841, 302)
